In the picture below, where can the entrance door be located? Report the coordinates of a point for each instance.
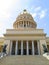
(24, 47)
(35, 48)
(30, 47)
(19, 47)
(13, 47)
(24, 51)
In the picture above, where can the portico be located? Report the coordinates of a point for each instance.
(25, 47)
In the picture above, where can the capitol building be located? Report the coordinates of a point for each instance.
(24, 38)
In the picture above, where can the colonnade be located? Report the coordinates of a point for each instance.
(24, 24)
(27, 47)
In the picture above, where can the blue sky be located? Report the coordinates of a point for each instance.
(10, 9)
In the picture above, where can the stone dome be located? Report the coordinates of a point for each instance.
(24, 20)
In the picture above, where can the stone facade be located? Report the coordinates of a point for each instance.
(25, 38)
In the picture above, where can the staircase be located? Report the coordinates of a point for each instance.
(24, 60)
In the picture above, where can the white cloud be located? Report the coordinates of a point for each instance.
(44, 24)
(4, 14)
(42, 14)
(1, 25)
(2, 28)
(5, 7)
(37, 8)
(34, 15)
(39, 12)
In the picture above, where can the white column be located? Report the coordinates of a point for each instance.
(28, 23)
(38, 44)
(16, 50)
(23, 24)
(21, 47)
(18, 24)
(10, 47)
(32, 48)
(27, 48)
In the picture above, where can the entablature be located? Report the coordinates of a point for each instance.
(24, 31)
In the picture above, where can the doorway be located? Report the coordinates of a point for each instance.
(30, 47)
(24, 47)
(35, 48)
(19, 47)
(13, 47)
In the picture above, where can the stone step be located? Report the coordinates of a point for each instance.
(24, 60)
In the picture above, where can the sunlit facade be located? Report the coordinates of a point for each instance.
(24, 38)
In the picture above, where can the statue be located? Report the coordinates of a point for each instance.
(45, 48)
(4, 49)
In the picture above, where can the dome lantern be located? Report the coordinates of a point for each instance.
(24, 11)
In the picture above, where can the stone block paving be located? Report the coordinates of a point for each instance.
(24, 60)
